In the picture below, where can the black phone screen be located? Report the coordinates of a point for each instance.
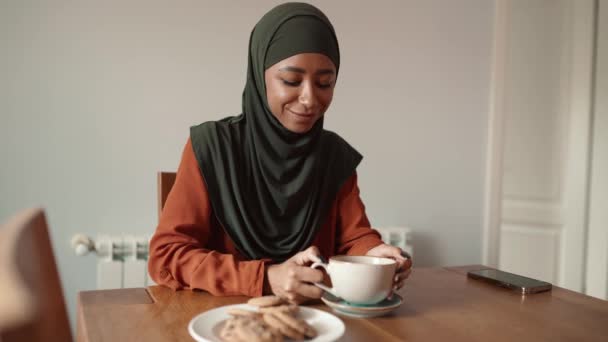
(511, 279)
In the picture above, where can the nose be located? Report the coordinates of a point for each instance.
(308, 96)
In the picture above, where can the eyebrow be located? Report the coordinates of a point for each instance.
(302, 71)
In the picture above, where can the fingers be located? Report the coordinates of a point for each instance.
(294, 279)
(307, 256)
(305, 274)
(295, 298)
(403, 259)
(394, 252)
(389, 251)
(298, 283)
(309, 291)
(400, 278)
(402, 275)
(404, 265)
(399, 285)
(400, 266)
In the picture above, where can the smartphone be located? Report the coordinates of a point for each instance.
(522, 284)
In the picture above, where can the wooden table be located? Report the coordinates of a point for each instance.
(441, 304)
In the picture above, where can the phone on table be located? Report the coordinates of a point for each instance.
(522, 284)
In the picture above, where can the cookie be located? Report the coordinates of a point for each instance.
(255, 330)
(266, 301)
(285, 329)
(227, 333)
(299, 325)
(291, 309)
(243, 313)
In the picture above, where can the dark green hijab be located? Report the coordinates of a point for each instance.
(271, 189)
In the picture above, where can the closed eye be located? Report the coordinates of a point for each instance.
(297, 84)
(291, 84)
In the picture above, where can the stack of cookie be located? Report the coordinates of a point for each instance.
(274, 320)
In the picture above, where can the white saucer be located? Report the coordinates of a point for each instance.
(362, 311)
(328, 326)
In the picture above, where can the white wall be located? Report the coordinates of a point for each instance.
(96, 97)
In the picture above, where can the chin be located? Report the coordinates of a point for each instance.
(299, 128)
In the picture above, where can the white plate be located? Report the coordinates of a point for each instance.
(328, 326)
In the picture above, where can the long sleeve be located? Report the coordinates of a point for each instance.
(355, 235)
(182, 253)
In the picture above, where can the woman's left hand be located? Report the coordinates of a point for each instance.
(404, 264)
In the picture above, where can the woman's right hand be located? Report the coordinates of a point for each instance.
(293, 278)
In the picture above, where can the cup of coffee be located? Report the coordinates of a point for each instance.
(362, 280)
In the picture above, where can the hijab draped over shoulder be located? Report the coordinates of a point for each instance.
(271, 189)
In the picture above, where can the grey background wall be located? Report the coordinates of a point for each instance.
(97, 96)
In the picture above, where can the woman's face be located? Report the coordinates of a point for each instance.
(299, 89)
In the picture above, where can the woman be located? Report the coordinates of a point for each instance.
(260, 196)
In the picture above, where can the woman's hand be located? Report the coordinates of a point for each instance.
(292, 279)
(404, 262)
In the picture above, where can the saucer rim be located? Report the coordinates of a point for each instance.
(360, 314)
(362, 309)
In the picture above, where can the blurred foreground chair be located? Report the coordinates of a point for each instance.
(165, 182)
(32, 307)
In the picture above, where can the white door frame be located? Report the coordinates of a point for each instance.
(576, 179)
(597, 241)
(495, 139)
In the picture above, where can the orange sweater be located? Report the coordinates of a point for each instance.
(190, 249)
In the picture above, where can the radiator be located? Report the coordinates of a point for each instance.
(398, 236)
(123, 260)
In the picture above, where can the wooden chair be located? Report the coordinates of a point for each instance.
(165, 182)
(32, 307)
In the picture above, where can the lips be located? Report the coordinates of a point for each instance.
(302, 115)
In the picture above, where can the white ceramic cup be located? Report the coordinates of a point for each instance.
(359, 279)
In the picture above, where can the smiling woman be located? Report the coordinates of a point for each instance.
(260, 196)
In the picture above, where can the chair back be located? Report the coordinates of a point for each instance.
(32, 306)
(165, 182)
